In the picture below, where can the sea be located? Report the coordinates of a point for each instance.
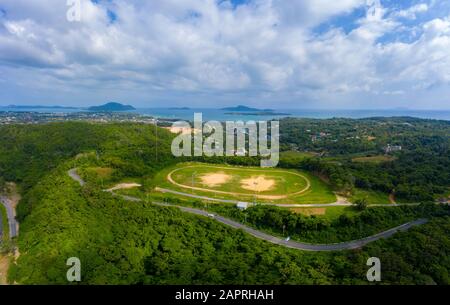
(222, 115)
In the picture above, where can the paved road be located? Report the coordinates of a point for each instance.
(163, 190)
(339, 203)
(10, 215)
(73, 174)
(355, 244)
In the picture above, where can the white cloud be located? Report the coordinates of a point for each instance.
(264, 49)
(411, 13)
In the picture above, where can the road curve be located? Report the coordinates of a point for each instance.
(74, 175)
(355, 244)
(10, 215)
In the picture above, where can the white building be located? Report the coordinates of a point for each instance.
(391, 148)
(242, 205)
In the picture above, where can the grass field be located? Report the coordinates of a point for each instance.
(331, 213)
(245, 183)
(372, 197)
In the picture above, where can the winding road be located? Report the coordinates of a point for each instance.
(74, 175)
(10, 215)
(355, 244)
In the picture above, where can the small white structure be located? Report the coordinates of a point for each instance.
(392, 148)
(242, 205)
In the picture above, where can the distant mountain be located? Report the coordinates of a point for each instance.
(39, 107)
(242, 108)
(112, 107)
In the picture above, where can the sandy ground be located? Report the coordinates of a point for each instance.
(342, 200)
(124, 186)
(215, 179)
(392, 198)
(258, 184)
(182, 130)
(4, 265)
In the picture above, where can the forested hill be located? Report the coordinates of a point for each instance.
(121, 242)
(406, 157)
(30, 152)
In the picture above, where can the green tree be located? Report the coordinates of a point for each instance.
(361, 204)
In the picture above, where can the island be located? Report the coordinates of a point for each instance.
(242, 108)
(111, 107)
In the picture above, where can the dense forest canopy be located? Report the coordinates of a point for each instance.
(121, 242)
(417, 172)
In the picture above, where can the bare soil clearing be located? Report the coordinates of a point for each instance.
(392, 198)
(182, 130)
(4, 266)
(215, 179)
(124, 186)
(258, 184)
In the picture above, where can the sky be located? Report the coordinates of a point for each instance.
(319, 54)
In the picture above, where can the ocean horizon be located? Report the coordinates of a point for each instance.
(224, 115)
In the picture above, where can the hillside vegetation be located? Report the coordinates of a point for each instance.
(121, 242)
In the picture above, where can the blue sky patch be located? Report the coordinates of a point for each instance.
(346, 22)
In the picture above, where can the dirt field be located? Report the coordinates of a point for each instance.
(215, 179)
(4, 266)
(258, 184)
(182, 130)
(124, 186)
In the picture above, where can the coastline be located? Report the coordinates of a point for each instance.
(171, 113)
